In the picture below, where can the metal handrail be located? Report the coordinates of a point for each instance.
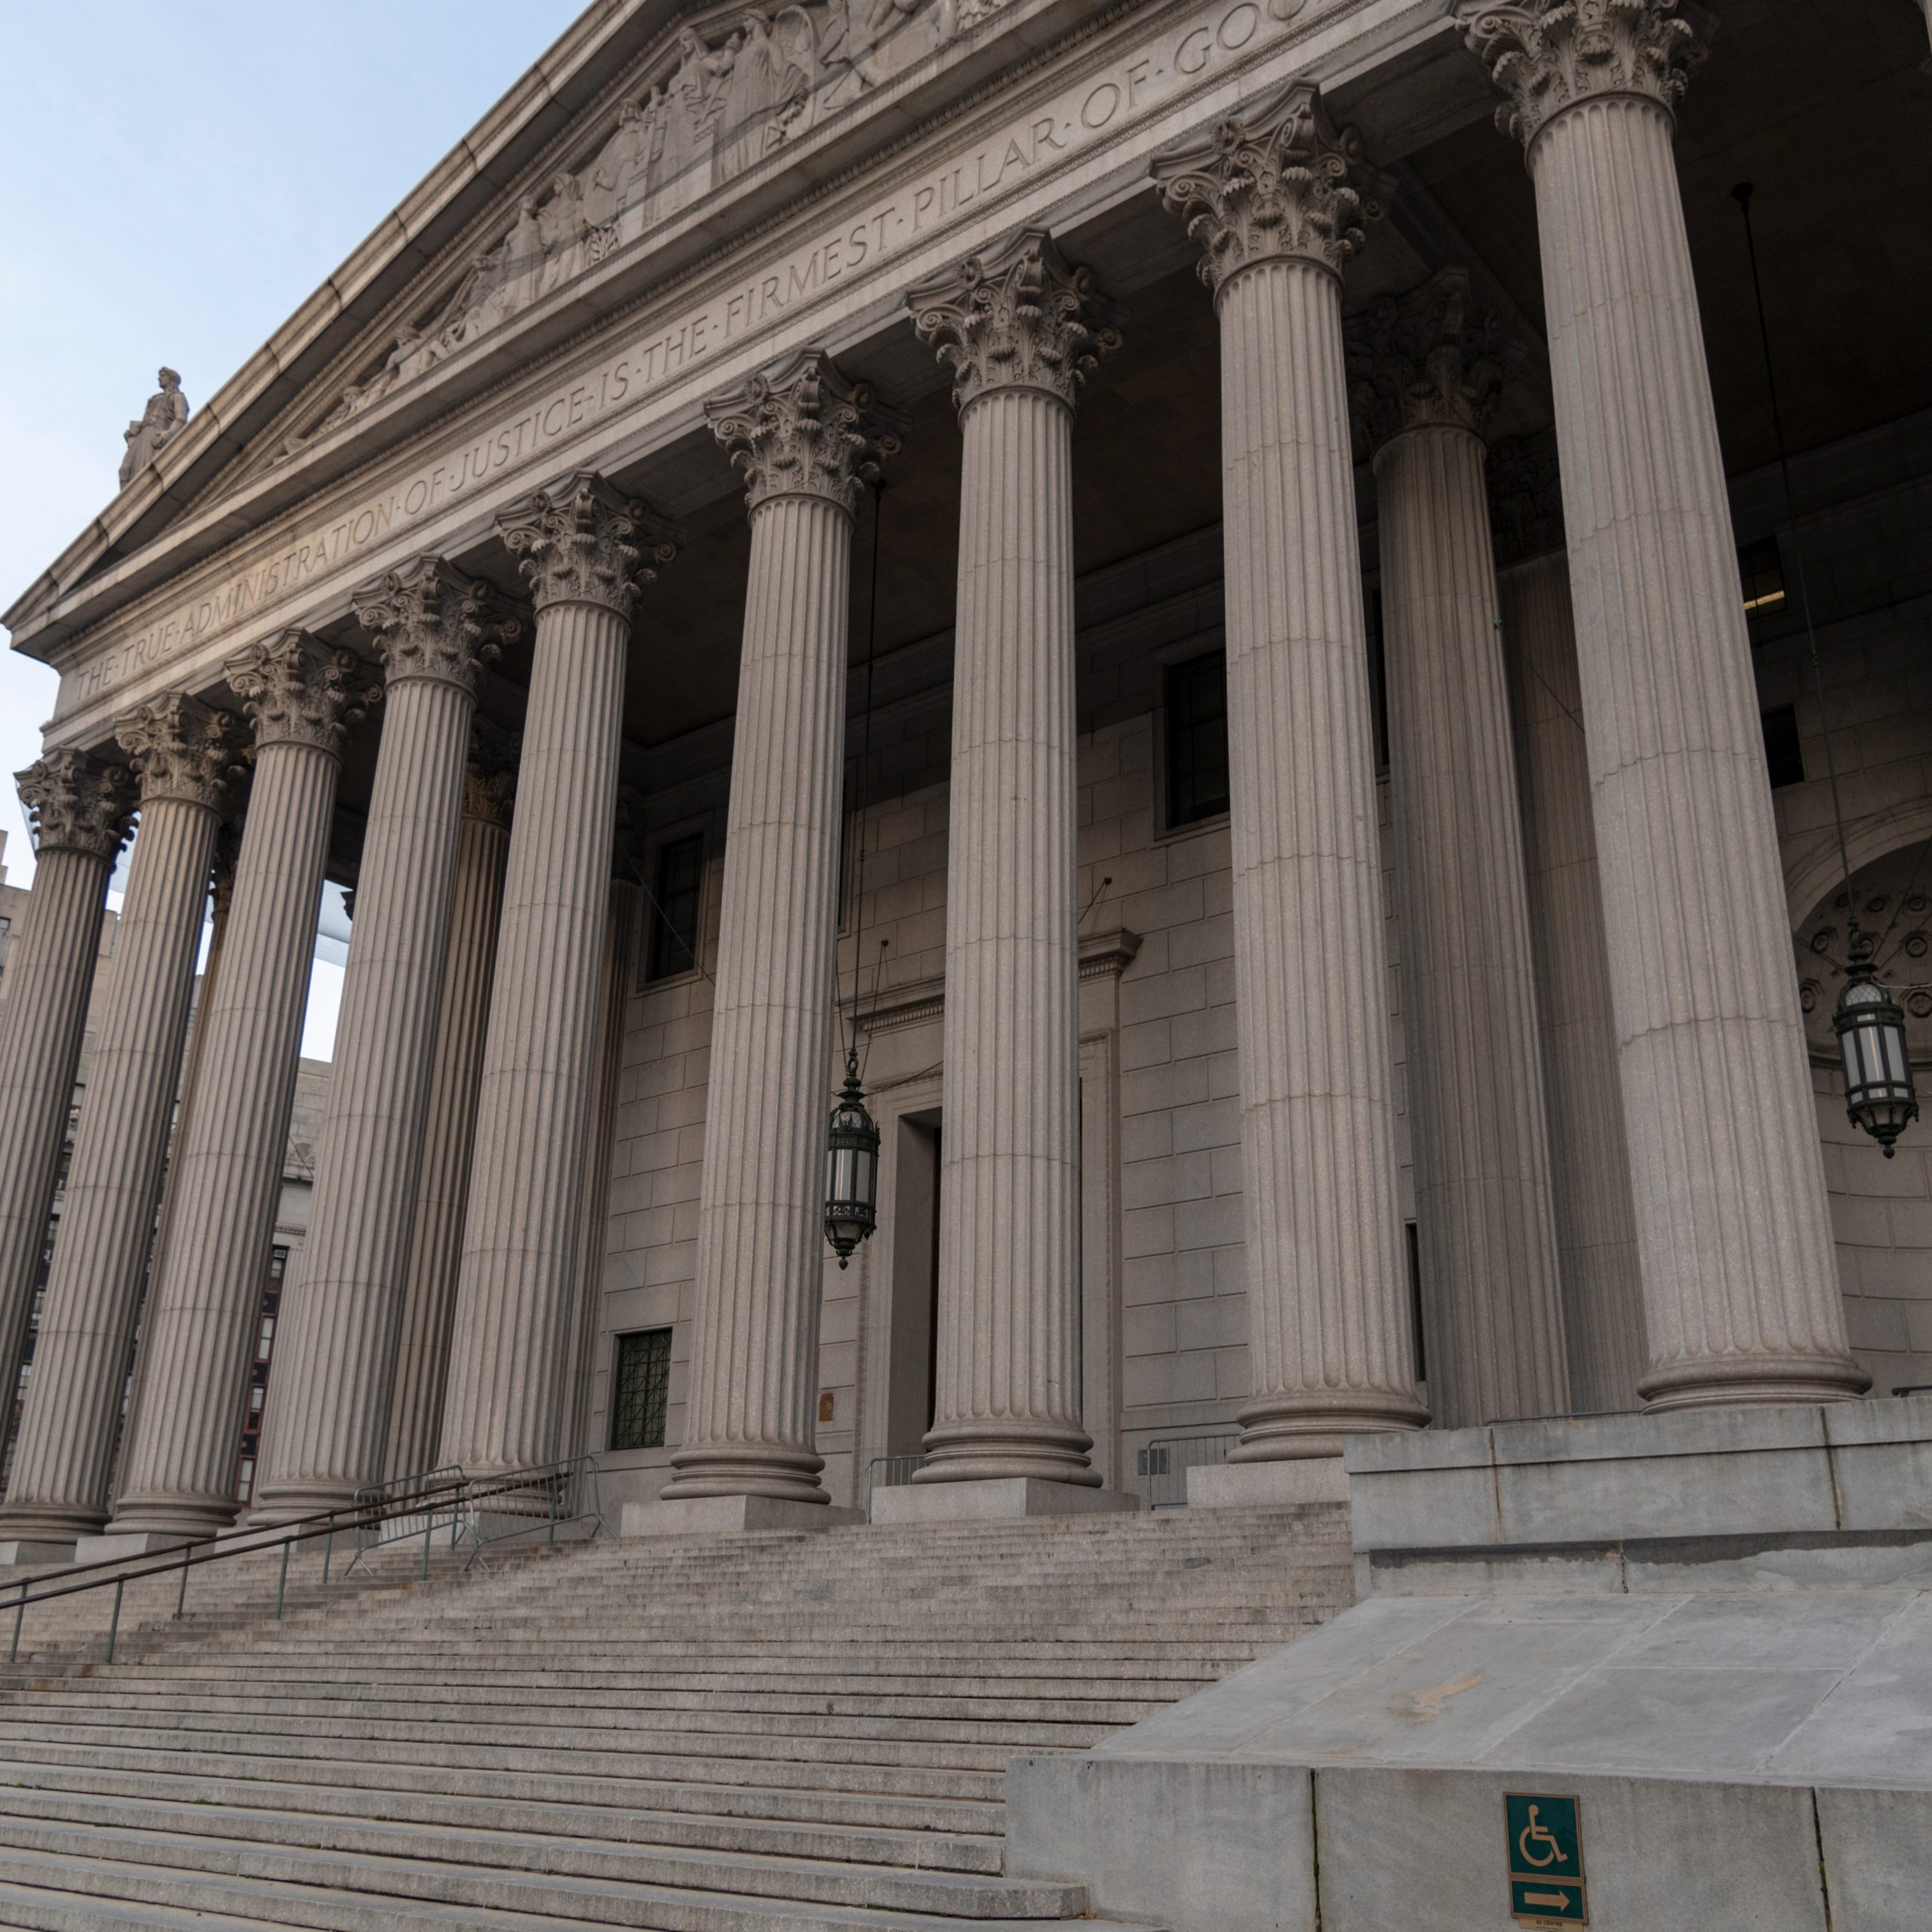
(566, 1478)
(328, 1523)
(1163, 1464)
(899, 1471)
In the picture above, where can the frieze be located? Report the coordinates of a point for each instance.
(1140, 79)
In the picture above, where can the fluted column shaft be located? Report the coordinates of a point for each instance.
(1740, 1286)
(329, 1410)
(754, 1380)
(1603, 1315)
(430, 1276)
(178, 1473)
(80, 808)
(505, 1405)
(1485, 1218)
(1327, 1319)
(58, 1486)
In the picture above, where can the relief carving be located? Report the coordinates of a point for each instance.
(720, 96)
(297, 691)
(430, 621)
(181, 748)
(77, 803)
(802, 430)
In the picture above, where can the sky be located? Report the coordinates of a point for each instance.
(183, 174)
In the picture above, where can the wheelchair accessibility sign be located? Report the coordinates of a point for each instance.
(1546, 1860)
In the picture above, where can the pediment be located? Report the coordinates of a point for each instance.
(713, 99)
(642, 118)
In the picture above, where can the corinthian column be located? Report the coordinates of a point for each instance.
(442, 1187)
(329, 1410)
(1021, 332)
(183, 753)
(178, 1470)
(805, 439)
(1270, 196)
(1740, 1286)
(1603, 1310)
(583, 547)
(1427, 371)
(80, 809)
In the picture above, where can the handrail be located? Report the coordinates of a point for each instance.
(327, 1522)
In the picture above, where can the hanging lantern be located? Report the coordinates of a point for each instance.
(1878, 1093)
(851, 1168)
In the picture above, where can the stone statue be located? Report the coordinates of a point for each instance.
(160, 423)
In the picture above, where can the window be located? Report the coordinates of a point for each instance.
(256, 1399)
(674, 915)
(1197, 708)
(640, 1386)
(1762, 571)
(1783, 754)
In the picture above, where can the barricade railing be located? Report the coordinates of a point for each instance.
(437, 1495)
(543, 1499)
(890, 1472)
(1167, 1459)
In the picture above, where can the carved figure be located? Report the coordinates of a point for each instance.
(770, 84)
(624, 172)
(161, 422)
(564, 233)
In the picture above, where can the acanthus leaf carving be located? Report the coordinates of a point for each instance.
(1274, 183)
(579, 541)
(1431, 358)
(1525, 497)
(430, 620)
(296, 690)
(76, 802)
(489, 775)
(1015, 316)
(803, 429)
(181, 749)
(1546, 55)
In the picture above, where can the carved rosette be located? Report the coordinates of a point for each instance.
(77, 803)
(1525, 497)
(489, 778)
(431, 622)
(181, 749)
(298, 691)
(1017, 317)
(580, 542)
(1430, 358)
(802, 430)
(1276, 183)
(1546, 55)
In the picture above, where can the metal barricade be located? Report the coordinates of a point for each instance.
(1166, 1461)
(532, 1502)
(890, 1472)
(441, 1495)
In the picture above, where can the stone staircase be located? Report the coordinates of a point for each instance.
(775, 1733)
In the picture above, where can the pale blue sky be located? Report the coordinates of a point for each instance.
(180, 175)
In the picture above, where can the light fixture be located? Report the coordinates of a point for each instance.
(1870, 1024)
(851, 1168)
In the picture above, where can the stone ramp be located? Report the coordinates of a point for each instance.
(773, 1733)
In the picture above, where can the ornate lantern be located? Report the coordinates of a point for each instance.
(1878, 1093)
(851, 1168)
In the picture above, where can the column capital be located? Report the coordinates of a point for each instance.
(77, 802)
(1525, 497)
(182, 749)
(802, 430)
(578, 540)
(1015, 317)
(298, 691)
(489, 778)
(432, 622)
(1272, 182)
(1430, 358)
(1548, 55)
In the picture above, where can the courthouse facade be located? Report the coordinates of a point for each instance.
(1306, 791)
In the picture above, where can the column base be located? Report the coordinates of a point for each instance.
(696, 1515)
(1239, 1485)
(1722, 1382)
(991, 1501)
(114, 1547)
(27, 1550)
(1312, 1424)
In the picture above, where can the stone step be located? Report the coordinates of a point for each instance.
(41, 1762)
(46, 1790)
(495, 1866)
(817, 1771)
(294, 1885)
